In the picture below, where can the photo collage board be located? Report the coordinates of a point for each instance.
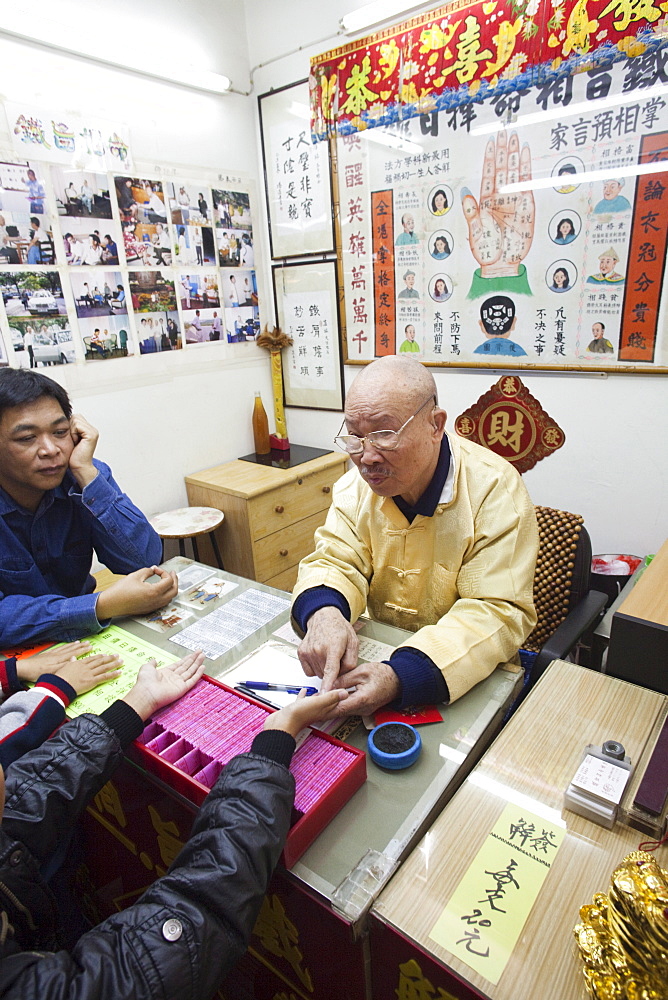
(525, 230)
(97, 266)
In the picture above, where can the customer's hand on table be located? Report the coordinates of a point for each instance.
(29, 668)
(134, 595)
(376, 684)
(304, 711)
(329, 647)
(84, 675)
(155, 688)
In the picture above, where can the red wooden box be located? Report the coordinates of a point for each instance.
(171, 756)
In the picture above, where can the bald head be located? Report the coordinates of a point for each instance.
(396, 394)
(407, 381)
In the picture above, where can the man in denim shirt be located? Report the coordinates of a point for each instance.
(57, 504)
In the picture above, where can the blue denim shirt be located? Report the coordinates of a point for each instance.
(45, 557)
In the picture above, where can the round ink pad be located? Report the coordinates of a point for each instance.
(394, 745)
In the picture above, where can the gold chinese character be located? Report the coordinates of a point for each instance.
(465, 426)
(552, 437)
(359, 94)
(280, 937)
(469, 53)
(168, 836)
(631, 10)
(414, 986)
(502, 431)
(108, 800)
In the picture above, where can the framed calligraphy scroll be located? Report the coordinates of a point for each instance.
(307, 309)
(523, 230)
(297, 175)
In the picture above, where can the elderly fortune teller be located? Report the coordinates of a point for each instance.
(430, 533)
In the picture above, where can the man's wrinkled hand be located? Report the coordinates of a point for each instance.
(329, 647)
(376, 684)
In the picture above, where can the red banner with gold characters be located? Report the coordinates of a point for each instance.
(466, 51)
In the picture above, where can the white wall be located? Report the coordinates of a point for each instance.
(160, 416)
(613, 468)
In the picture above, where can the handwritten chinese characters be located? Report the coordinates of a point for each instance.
(486, 914)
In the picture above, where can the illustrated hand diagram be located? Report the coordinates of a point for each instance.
(501, 225)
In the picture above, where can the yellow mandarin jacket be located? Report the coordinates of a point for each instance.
(461, 580)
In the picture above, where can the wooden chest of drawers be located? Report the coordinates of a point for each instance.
(270, 514)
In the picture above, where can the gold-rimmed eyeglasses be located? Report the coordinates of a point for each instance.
(382, 440)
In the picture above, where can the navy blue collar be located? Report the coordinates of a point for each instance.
(428, 502)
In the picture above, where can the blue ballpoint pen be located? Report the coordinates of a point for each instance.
(287, 688)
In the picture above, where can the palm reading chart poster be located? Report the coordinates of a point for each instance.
(526, 230)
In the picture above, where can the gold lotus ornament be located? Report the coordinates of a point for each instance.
(623, 936)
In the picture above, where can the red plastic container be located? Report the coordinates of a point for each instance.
(171, 757)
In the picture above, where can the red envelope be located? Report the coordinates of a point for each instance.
(414, 715)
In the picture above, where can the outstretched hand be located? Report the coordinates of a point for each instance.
(305, 711)
(155, 688)
(501, 225)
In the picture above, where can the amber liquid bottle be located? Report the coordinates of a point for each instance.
(260, 427)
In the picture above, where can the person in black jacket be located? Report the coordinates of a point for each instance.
(192, 925)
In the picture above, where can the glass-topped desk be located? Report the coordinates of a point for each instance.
(346, 867)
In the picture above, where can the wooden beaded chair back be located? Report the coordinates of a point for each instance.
(562, 571)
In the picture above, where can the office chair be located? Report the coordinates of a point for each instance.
(565, 605)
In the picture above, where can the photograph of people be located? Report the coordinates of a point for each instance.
(440, 246)
(410, 345)
(40, 248)
(183, 202)
(83, 244)
(232, 210)
(36, 192)
(247, 254)
(127, 205)
(407, 237)
(607, 275)
(409, 292)
(203, 207)
(497, 322)
(109, 250)
(81, 193)
(439, 204)
(106, 298)
(560, 280)
(439, 290)
(140, 200)
(565, 232)
(613, 200)
(599, 344)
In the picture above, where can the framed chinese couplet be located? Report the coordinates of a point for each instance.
(307, 310)
(297, 175)
(521, 223)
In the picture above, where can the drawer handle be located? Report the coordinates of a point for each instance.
(327, 489)
(279, 509)
(283, 552)
(299, 482)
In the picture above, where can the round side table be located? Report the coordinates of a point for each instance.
(189, 522)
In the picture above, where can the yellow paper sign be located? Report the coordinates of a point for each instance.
(133, 651)
(486, 914)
